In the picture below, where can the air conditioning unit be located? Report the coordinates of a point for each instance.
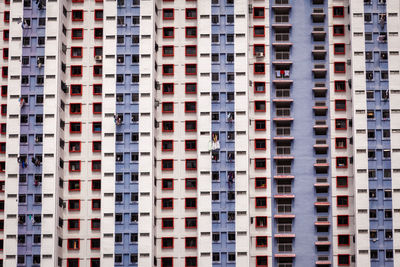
(259, 54)
(98, 58)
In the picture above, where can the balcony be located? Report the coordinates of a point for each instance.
(281, 5)
(319, 52)
(323, 261)
(320, 108)
(283, 114)
(321, 147)
(283, 169)
(283, 152)
(320, 127)
(285, 247)
(284, 208)
(321, 182)
(322, 201)
(318, 15)
(318, 34)
(321, 165)
(284, 228)
(319, 71)
(281, 21)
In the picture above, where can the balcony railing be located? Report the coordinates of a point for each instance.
(284, 208)
(284, 189)
(282, 93)
(284, 227)
(285, 247)
(282, 37)
(281, 2)
(283, 150)
(283, 131)
(283, 112)
(284, 169)
(281, 18)
(282, 55)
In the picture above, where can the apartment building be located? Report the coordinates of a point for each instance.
(200, 133)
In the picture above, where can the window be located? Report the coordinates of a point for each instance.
(261, 221)
(260, 163)
(340, 104)
(190, 242)
(343, 259)
(260, 182)
(96, 127)
(96, 204)
(168, 51)
(190, 88)
(190, 50)
(74, 205)
(341, 181)
(261, 202)
(342, 201)
(76, 70)
(190, 203)
(260, 106)
(98, 33)
(97, 89)
(340, 67)
(259, 87)
(95, 243)
(190, 107)
(340, 86)
(191, 32)
(74, 185)
(190, 69)
(191, 13)
(191, 164)
(75, 108)
(167, 164)
(259, 31)
(73, 262)
(168, 69)
(168, 88)
(98, 14)
(341, 162)
(96, 165)
(190, 126)
(261, 261)
(340, 124)
(190, 261)
(77, 15)
(168, 13)
(258, 12)
(77, 33)
(342, 220)
(6, 16)
(190, 183)
(167, 107)
(260, 125)
(168, 32)
(5, 53)
(190, 222)
(96, 185)
(168, 126)
(190, 145)
(167, 184)
(167, 242)
(4, 72)
(338, 11)
(340, 142)
(167, 223)
(338, 30)
(75, 166)
(97, 70)
(167, 145)
(6, 34)
(259, 68)
(76, 52)
(167, 262)
(339, 49)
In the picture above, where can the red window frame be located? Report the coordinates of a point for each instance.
(93, 188)
(186, 207)
(258, 45)
(333, 11)
(96, 52)
(94, 104)
(260, 159)
(98, 67)
(77, 112)
(1, 128)
(191, 149)
(340, 147)
(93, 200)
(190, 130)
(169, 28)
(345, 128)
(4, 90)
(186, 15)
(260, 187)
(6, 35)
(74, 228)
(167, 169)
(167, 131)
(187, 258)
(164, 92)
(341, 26)
(263, 226)
(95, 17)
(168, 18)
(186, 50)
(190, 28)
(167, 247)
(261, 265)
(190, 73)
(255, 86)
(195, 107)
(3, 109)
(260, 148)
(69, 205)
(163, 223)
(186, 165)
(258, 17)
(337, 201)
(91, 223)
(342, 167)
(168, 55)
(339, 53)
(260, 101)
(254, 31)
(5, 53)
(75, 122)
(167, 149)
(166, 207)
(73, 239)
(68, 260)
(4, 71)
(72, 189)
(342, 186)
(2, 145)
(97, 84)
(190, 247)
(163, 110)
(167, 265)
(260, 129)
(168, 73)
(75, 30)
(91, 244)
(348, 260)
(342, 82)
(167, 188)
(93, 129)
(190, 227)
(258, 72)
(262, 206)
(187, 86)
(190, 188)
(337, 218)
(345, 105)
(77, 10)
(261, 246)
(6, 20)
(76, 75)
(341, 63)
(75, 94)
(93, 163)
(75, 47)
(94, 33)
(70, 166)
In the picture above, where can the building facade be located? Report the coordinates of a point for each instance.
(200, 133)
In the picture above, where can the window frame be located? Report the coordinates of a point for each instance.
(168, 18)
(187, 28)
(254, 31)
(77, 38)
(186, 51)
(165, 149)
(339, 53)
(75, 10)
